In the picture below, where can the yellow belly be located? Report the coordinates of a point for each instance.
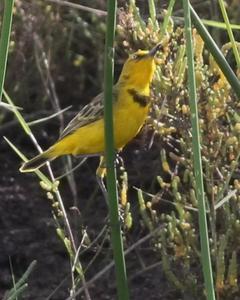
(89, 139)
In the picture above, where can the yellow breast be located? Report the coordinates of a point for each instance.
(129, 114)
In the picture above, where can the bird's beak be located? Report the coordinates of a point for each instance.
(154, 50)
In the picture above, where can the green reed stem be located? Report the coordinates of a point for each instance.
(4, 41)
(118, 254)
(197, 161)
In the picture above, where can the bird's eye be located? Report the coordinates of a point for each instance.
(134, 56)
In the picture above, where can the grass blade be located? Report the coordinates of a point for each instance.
(152, 10)
(212, 23)
(21, 285)
(23, 157)
(197, 161)
(220, 25)
(16, 293)
(216, 53)
(42, 120)
(167, 16)
(17, 114)
(116, 236)
(8, 106)
(230, 33)
(4, 42)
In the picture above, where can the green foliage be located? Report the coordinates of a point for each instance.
(219, 112)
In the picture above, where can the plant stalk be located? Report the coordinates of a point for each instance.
(4, 41)
(116, 237)
(197, 161)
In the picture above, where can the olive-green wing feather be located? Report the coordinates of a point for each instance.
(88, 114)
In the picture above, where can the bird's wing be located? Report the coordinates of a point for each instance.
(88, 114)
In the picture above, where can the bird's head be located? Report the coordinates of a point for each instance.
(139, 68)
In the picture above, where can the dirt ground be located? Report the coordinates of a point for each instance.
(27, 231)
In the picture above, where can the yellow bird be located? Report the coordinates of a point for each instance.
(84, 135)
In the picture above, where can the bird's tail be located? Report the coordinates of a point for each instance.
(38, 161)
